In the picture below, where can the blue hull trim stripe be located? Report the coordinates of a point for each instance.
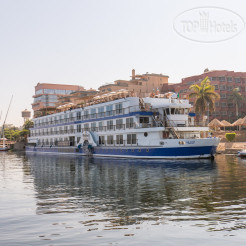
(133, 152)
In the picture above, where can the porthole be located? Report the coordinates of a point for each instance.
(121, 150)
(147, 150)
(132, 150)
(126, 150)
(146, 134)
(139, 150)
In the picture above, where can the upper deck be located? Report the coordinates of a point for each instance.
(124, 107)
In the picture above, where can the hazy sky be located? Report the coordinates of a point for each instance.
(92, 42)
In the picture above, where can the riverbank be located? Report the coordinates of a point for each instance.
(230, 147)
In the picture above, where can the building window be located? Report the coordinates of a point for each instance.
(213, 78)
(131, 139)
(216, 87)
(38, 92)
(223, 104)
(237, 80)
(229, 79)
(221, 79)
(222, 95)
(222, 87)
(229, 88)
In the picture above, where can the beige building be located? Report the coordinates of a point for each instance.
(46, 97)
(139, 85)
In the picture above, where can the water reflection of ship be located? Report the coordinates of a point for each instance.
(124, 188)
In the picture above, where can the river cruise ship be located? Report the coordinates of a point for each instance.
(159, 127)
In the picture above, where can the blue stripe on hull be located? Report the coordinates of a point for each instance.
(179, 152)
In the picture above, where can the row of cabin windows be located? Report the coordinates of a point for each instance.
(109, 124)
(92, 113)
(93, 126)
(131, 139)
(101, 111)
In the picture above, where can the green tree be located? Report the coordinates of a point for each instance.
(28, 124)
(16, 135)
(236, 98)
(24, 133)
(205, 97)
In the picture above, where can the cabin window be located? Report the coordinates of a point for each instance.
(101, 140)
(93, 126)
(167, 111)
(79, 128)
(129, 122)
(144, 120)
(119, 139)
(100, 126)
(110, 125)
(172, 110)
(93, 113)
(119, 124)
(109, 110)
(86, 114)
(71, 129)
(78, 115)
(131, 139)
(165, 134)
(70, 116)
(110, 139)
(101, 111)
(119, 108)
(86, 127)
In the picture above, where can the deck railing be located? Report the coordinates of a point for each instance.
(92, 116)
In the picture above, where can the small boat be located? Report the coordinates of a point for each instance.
(3, 146)
(242, 153)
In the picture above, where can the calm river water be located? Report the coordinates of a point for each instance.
(64, 200)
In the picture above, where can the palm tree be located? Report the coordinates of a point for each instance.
(205, 97)
(236, 98)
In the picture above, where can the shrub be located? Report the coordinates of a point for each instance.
(230, 136)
